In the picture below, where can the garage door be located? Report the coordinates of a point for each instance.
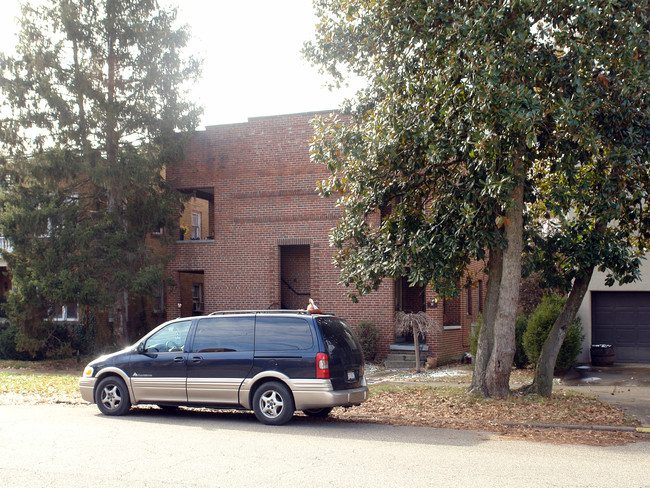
(623, 320)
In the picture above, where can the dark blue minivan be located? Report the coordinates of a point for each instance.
(272, 362)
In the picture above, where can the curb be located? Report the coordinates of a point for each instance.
(600, 428)
(528, 425)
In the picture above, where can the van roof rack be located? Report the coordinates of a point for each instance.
(281, 311)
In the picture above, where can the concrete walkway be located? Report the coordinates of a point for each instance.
(626, 386)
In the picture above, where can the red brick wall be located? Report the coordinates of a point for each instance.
(264, 198)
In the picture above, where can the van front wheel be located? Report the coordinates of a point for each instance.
(273, 403)
(112, 396)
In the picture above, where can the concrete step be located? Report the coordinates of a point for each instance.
(403, 360)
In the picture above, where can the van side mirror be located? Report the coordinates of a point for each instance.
(140, 348)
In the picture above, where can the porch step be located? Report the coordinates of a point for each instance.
(404, 360)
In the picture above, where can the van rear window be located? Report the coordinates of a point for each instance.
(282, 334)
(337, 334)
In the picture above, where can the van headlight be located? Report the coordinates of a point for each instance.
(88, 372)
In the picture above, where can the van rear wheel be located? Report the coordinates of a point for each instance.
(318, 412)
(273, 403)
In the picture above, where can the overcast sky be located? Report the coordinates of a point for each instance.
(251, 52)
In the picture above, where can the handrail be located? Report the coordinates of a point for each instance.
(294, 291)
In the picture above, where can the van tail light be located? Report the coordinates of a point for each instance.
(322, 366)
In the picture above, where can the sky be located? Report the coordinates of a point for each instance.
(252, 65)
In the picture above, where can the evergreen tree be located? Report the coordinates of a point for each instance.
(94, 108)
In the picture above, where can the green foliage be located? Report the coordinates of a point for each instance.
(82, 163)
(473, 338)
(51, 340)
(539, 326)
(368, 335)
(8, 350)
(457, 93)
(521, 358)
(469, 103)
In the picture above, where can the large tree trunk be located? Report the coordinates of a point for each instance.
(543, 381)
(503, 350)
(486, 334)
(120, 319)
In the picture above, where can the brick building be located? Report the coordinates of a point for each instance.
(259, 238)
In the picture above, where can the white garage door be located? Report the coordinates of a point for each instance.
(623, 320)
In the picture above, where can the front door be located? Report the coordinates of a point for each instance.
(158, 373)
(409, 299)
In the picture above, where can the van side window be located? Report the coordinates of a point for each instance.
(224, 334)
(282, 334)
(170, 338)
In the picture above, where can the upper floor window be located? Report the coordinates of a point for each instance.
(196, 225)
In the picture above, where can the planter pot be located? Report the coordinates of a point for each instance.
(602, 356)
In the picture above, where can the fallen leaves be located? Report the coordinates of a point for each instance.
(522, 417)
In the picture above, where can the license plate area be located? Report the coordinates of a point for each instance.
(351, 375)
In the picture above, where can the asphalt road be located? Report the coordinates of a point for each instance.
(63, 446)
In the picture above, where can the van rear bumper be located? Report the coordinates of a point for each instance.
(306, 399)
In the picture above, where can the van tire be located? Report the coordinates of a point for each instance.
(273, 403)
(112, 396)
(318, 412)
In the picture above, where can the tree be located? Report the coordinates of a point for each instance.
(468, 115)
(94, 103)
(590, 209)
(440, 137)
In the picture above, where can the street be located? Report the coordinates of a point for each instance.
(63, 446)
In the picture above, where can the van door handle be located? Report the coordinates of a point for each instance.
(179, 359)
(197, 359)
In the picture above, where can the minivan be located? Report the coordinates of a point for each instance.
(273, 362)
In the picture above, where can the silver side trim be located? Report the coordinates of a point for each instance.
(213, 390)
(307, 393)
(148, 389)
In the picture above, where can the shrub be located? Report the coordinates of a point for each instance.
(8, 341)
(368, 335)
(539, 326)
(473, 338)
(520, 360)
(56, 340)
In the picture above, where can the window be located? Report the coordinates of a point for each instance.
(196, 225)
(469, 298)
(337, 336)
(159, 300)
(66, 313)
(169, 339)
(480, 296)
(224, 334)
(282, 334)
(197, 298)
